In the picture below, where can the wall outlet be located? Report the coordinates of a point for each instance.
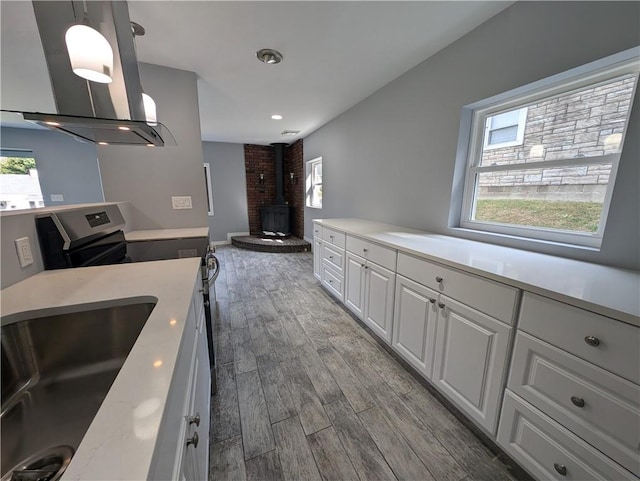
(25, 256)
(181, 202)
(57, 198)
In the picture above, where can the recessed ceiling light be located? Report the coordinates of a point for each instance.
(276, 117)
(290, 132)
(103, 143)
(122, 127)
(269, 56)
(53, 124)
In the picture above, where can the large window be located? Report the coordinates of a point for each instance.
(314, 183)
(542, 160)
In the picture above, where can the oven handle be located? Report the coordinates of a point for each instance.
(213, 268)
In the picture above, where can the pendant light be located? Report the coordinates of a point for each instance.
(148, 103)
(90, 53)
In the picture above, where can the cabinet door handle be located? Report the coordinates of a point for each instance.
(577, 401)
(432, 301)
(331, 237)
(330, 257)
(439, 279)
(365, 250)
(366, 267)
(441, 305)
(194, 419)
(592, 341)
(560, 468)
(193, 440)
(330, 281)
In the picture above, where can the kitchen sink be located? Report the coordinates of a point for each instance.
(56, 371)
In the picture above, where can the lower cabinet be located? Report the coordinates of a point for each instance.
(182, 448)
(470, 360)
(369, 293)
(548, 450)
(414, 324)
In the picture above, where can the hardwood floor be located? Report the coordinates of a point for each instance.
(306, 393)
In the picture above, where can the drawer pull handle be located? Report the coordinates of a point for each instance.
(331, 237)
(193, 440)
(366, 267)
(330, 257)
(561, 468)
(441, 305)
(365, 250)
(592, 341)
(194, 419)
(330, 281)
(432, 301)
(439, 279)
(577, 401)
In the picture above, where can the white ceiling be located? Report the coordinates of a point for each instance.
(335, 55)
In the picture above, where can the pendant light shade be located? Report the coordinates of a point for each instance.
(90, 54)
(149, 109)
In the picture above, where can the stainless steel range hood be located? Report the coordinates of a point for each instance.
(111, 113)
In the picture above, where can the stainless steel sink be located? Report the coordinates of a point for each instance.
(56, 371)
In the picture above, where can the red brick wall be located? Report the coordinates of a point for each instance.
(294, 193)
(261, 159)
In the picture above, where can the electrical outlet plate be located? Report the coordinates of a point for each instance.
(25, 256)
(57, 198)
(181, 202)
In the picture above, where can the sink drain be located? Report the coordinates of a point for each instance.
(47, 465)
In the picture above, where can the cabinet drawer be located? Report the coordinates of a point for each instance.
(374, 252)
(317, 231)
(334, 257)
(497, 300)
(547, 450)
(332, 281)
(610, 344)
(600, 407)
(333, 237)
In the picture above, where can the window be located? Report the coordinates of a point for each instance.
(314, 183)
(541, 160)
(505, 129)
(207, 180)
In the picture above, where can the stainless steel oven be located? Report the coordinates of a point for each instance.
(93, 236)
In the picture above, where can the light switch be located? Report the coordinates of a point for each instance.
(25, 256)
(181, 202)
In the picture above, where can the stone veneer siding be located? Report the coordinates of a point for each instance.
(569, 126)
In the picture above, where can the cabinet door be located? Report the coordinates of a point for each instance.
(378, 298)
(354, 290)
(414, 324)
(317, 258)
(470, 360)
(201, 407)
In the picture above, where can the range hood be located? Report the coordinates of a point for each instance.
(106, 114)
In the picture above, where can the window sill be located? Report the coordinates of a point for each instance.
(515, 241)
(318, 207)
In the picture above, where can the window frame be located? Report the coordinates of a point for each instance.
(310, 169)
(473, 127)
(209, 190)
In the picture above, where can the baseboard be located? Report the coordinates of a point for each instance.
(229, 236)
(308, 239)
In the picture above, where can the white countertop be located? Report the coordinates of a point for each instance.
(163, 234)
(606, 290)
(120, 442)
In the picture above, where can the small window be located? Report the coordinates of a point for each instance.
(505, 129)
(314, 183)
(541, 160)
(19, 181)
(207, 180)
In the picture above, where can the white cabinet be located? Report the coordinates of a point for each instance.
(471, 355)
(369, 291)
(317, 258)
(414, 324)
(182, 449)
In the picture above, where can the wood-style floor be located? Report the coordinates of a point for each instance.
(306, 393)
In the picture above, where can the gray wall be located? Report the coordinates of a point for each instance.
(149, 176)
(391, 157)
(65, 165)
(228, 183)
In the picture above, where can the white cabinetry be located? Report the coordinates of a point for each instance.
(576, 371)
(182, 450)
(414, 324)
(317, 258)
(328, 259)
(369, 290)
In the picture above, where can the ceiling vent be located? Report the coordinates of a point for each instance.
(290, 132)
